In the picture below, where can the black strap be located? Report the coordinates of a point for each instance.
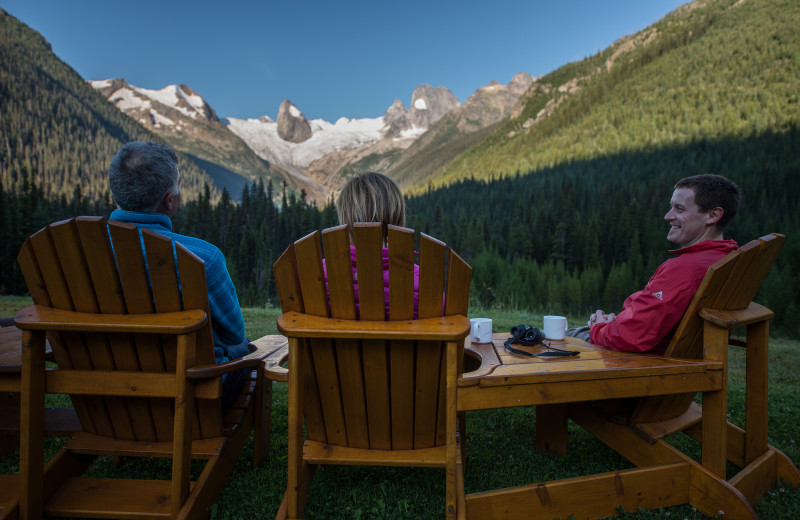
(528, 335)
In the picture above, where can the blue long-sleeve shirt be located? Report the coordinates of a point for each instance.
(227, 322)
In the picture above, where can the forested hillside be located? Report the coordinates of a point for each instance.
(56, 132)
(584, 234)
(713, 68)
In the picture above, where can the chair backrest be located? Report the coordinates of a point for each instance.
(730, 284)
(89, 265)
(372, 393)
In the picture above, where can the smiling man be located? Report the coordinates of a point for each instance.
(700, 208)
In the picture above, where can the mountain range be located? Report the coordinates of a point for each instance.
(704, 70)
(316, 156)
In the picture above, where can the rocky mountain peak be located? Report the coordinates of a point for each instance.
(191, 100)
(292, 124)
(429, 104)
(109, 86)
(394, 112)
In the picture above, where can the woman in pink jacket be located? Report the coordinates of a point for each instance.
(374, 197)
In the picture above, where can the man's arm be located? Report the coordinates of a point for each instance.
(226, 315)
(647, 317)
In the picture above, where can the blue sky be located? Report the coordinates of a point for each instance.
(330, 58)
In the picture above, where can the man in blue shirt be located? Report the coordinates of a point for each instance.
(145, 183)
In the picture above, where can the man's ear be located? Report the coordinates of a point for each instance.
(167, 204)
(714, 215)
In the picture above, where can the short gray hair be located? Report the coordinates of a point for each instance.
(141, 173)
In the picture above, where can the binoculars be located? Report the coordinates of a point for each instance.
(527, 335)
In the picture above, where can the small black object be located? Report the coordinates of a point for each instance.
(528, 336)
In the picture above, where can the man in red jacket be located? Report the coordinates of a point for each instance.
(701, 207)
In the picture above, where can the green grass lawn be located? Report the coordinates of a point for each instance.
(500, 450)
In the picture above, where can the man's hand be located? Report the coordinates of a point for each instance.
(601, 317)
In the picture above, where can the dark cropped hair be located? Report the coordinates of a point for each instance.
(714, 191)
(141, 173)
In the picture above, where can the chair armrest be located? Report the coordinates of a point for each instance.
(211, 371)
(737, 318)
(40, 317)
(276, 348)
(445, 328)
(272, 365)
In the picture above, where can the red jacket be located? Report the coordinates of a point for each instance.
(649, 317)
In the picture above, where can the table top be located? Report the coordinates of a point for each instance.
(11, 349)
(508, 379)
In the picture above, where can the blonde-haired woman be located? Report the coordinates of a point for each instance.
(374, 197)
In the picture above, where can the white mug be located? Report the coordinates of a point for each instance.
(480, 330)
(554, 327)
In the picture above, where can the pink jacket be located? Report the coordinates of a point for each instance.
(649, 317)
(385, 255)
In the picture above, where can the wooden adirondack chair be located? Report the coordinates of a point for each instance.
(132, 339)
(722, 303)
(371, 391)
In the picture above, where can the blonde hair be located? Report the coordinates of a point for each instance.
(371, 197)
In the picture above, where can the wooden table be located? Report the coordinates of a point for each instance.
(10, 365)
(59, 421)
(505, 379)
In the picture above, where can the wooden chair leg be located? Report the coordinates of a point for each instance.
(551, 428)
(715, 404)
(756, 391)
(294, 495)
(31, 449)
(9, 414)
(263, 420)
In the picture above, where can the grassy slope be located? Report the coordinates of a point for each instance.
(716, 68)
(500, 451)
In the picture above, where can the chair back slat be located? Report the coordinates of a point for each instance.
(402, 376)
(109, 352)
(730, 284)
(287, 283)
(308, 256)
(402, 353)
(735, 279)
(429, 359)
(768, 253)
(32, 275)
(401, 273)
(686, 342)
(369, 266)
(324, 408)
(458, 280)
(377, 394)
(336, 242)
(138, 297)
(92, 350)
(368, 241)
(208, 414)
(431, 276)
(50, 267)
(159, 255)
(330, 395)
(40, 264)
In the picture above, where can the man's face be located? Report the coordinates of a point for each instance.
(688, 223)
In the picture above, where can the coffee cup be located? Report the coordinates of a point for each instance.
(554, 327)
(481, 330)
